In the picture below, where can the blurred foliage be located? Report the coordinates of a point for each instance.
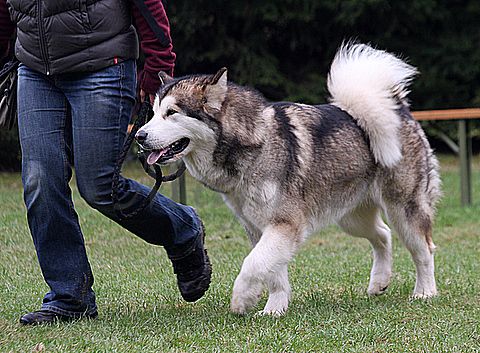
(10, 156)
(284, 47)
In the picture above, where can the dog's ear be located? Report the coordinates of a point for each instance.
(216, 91)
(164, 77)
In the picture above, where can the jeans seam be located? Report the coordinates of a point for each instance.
(66, 165)
(64, 155)
(117, 142)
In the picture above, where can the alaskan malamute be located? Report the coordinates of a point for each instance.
(288, 169)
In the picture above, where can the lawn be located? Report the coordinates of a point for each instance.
(142, 311)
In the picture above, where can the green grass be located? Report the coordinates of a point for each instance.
(141, 309)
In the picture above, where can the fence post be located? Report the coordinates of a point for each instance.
(465, 147)
(179, 189)
(182, 189)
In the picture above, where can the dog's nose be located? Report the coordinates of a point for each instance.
(141, 136)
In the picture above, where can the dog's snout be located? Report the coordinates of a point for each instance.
(141, 136)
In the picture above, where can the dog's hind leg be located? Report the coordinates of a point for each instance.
(366, 222)
(414, 226)
(267, 265)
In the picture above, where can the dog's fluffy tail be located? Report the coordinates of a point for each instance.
(371, 85)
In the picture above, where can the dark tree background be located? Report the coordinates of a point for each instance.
(284, 47)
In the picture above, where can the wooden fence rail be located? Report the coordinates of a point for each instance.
(464, 147)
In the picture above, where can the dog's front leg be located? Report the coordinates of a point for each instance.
(266, 265)
(278, 293)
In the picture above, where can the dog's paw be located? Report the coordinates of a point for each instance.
(424, 295)
(239, 306)
(271, 312)
(246, 294)
(275, 314)
(376, 289)
(425, 289)
(379, 282)
(277, 304)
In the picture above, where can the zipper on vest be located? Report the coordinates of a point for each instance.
(41, 34)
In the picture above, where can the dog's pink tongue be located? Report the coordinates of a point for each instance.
(154, 156)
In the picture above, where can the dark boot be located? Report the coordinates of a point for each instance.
(193, 270)
(43, 316)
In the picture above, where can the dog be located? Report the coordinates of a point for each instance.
(289, 169)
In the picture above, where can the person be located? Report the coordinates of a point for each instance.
(76, 91)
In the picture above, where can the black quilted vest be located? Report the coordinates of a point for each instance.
(60, 36)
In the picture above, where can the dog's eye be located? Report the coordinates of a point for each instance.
(171, 112)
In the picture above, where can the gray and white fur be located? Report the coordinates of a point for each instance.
(287, 169)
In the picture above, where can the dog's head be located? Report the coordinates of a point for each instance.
(186, 115)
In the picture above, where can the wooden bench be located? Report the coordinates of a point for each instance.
(464, 147)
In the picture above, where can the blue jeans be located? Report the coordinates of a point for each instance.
(80, 120)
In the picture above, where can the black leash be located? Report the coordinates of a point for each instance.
(145, 114)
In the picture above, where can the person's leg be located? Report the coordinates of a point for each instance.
(102, 103)
(45, 137)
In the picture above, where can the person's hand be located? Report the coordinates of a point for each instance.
(151, 97)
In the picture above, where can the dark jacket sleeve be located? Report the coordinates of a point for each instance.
(6, 29)
(157, 57)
